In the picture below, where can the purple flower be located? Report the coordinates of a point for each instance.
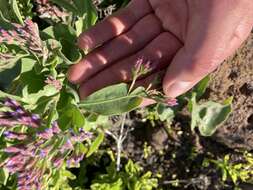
(11, 103)
(46, 134)
(18, 116)
(68, 144)
(55, 128)
(14, 135)
(25, 36)
(25, 158)
(7, 123)
(12, 149)
(75, 159)
(48, 10)
(35, 118)
(28, 121)
(81, 136)
(143, 66)
(57, 162)
(43, 154)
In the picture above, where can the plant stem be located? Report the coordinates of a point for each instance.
(120, 141)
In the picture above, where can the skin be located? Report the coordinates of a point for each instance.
(184, 39)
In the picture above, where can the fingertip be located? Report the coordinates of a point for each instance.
(85, 90)
(85, 41)
(72, 74)
(177, 88)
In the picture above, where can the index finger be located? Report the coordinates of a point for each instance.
(114, 25)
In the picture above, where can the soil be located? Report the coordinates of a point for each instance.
(235, 78)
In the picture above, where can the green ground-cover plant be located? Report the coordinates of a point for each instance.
(45, 128)
(234, 170)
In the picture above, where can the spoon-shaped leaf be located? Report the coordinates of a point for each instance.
(113, 100)
(209, 115)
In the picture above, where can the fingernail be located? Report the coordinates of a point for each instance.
(178, 88)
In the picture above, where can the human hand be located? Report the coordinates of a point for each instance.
(185, 39)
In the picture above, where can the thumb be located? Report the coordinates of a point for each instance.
(190, 65)
(188, 68)
(209, 41)
(184, 72)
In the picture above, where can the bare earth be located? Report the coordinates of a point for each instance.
(235, 78)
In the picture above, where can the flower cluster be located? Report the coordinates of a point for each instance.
(32, 156)
(141, 68)
(48, 10)
(17, 115)
(25, 36)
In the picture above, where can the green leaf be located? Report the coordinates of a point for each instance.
(5, 95)
(87, 15)
(15, 54)
(9, 10)
(3, 176)
(113, 100)
(10, 63)
(79, 24)
(46, 91)
(16, 11)
(201, 87)
(4, 11)
(165, 113)
(59, 31)
(209, 115)
(28, 78)
(8, 75)
(66, 36)
(90, 14)
(115, 185)
(66, 5)
(94, 121)
(132, 169)
(68, 174)
(71, 117)
(32, 86)
(95, 145)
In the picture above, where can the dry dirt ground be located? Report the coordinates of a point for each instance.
(235, 78)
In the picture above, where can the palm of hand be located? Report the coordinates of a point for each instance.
(182, 34)
(172, 15)
(139, 34)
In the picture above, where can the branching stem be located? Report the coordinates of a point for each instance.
(120, 141)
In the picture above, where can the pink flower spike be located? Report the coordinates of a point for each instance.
(55, 127)
(12, 149)
(138, 64)
(15, 135)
